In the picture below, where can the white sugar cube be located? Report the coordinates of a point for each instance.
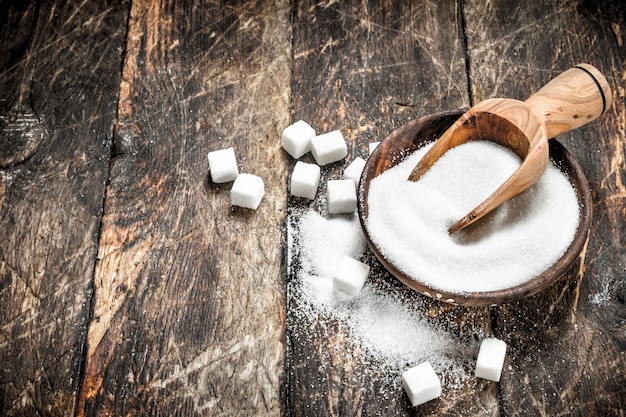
(341, 196)
(354, 170)
(421, 383)
(490, 359)
(373, 146)
(247, 191)
(305, 179)
(350, 275)
(329, 147)
(296, 138)
(223, 165)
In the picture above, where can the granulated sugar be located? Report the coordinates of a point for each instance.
(382, 320)
(408, 221)
(325, 241)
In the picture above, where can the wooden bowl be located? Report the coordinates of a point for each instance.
(415, 134)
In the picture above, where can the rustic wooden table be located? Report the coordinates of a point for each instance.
(129, 286)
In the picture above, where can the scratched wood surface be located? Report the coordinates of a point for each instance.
(129, 286)
(59, 82)
(152, 296)
(568, 344)
(188, 312)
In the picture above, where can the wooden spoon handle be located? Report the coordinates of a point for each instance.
(576, 97)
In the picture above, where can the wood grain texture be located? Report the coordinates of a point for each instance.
(129, 286)
(568, 343)
(367, 68)
(188, 309)
(59, 60)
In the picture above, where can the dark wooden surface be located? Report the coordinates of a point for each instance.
(128, 286)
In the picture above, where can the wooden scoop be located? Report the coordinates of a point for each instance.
(574, 98)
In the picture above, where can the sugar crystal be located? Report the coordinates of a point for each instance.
(408, 221)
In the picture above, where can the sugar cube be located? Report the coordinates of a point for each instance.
(354, 170)
(490, 359)
(421, 383)
(350, 275)
(329, 147)
(223, 165)
(373, 146)
(296, 138)
(341, 196)
(247, 191)
(305, 179)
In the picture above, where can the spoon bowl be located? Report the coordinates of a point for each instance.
(575, 97)
(407, 139)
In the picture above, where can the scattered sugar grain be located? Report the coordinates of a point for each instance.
(380, 319)
(408, 221)
(323, 242)
(397, 333)
(603, 295)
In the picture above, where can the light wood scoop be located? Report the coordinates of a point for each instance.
(576, 97)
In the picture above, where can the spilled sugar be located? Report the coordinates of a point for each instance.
(384, 320)
(324, 242)
(388, 328)
(408, 221)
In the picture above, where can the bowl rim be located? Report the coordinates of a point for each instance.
(405, 140)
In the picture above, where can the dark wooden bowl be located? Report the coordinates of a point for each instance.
(412, 136)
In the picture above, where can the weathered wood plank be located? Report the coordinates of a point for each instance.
(189, 311)
(188, 302)
(366, 69)
(567, 344)
(59, 78)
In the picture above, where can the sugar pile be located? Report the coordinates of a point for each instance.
(387, 328)
(408, 221)
(389, 325)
